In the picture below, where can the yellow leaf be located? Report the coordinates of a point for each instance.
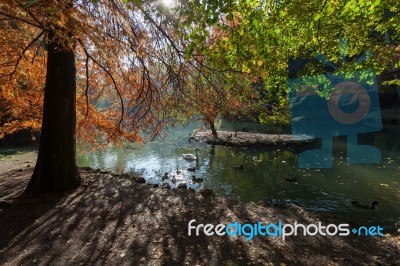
(245, 69)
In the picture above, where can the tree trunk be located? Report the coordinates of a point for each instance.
(56, 169)
(213, 130)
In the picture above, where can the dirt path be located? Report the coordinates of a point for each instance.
(114, 220)
(12, 164)
(16, 159)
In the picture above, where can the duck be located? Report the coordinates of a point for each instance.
(191, 157)
(362, 205)
(197, 179)
(178, 172)
(192, 169)
(291, 179)
(173, 180)
(238, 167)
(165, 176)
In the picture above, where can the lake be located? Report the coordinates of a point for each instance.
(264, 172)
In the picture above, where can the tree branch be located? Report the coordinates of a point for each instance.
(22, 55)
(112, 79)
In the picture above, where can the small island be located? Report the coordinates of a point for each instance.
(231, 138)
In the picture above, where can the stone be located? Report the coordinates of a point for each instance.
(140, 180)
(182, 186)
(207, 192)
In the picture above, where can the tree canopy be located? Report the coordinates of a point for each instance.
(132, 64)
(133, 55)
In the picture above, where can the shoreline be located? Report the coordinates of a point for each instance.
(117, 219)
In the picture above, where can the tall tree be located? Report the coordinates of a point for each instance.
(56, 156)
(125, 59)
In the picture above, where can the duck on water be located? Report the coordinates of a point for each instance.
(361, 205)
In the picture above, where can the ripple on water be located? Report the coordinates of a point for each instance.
(264, 173)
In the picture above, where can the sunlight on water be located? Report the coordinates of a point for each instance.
(267, 171)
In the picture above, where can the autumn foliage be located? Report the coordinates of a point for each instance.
(135, 70)
(128, 68)
(113, 68)
(22, 75)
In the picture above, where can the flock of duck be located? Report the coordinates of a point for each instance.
(179, 175)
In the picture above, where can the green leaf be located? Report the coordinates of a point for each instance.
(376, 3)
(317, 17)
(256, 23)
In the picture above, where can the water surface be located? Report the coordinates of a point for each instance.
(265, 170)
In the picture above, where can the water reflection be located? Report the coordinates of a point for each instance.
(265, 171)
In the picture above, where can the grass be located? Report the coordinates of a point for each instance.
(10, 152)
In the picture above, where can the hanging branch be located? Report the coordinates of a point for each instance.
(22, 55)
(112, 79)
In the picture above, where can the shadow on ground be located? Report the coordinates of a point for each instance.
(116, 221)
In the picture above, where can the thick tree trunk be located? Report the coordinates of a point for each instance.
(56, 169)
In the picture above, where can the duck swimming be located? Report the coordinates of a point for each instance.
(238, 167)
(165, 176)
(291, 179)
(362, 205)
(197, 179)
(178, 171)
